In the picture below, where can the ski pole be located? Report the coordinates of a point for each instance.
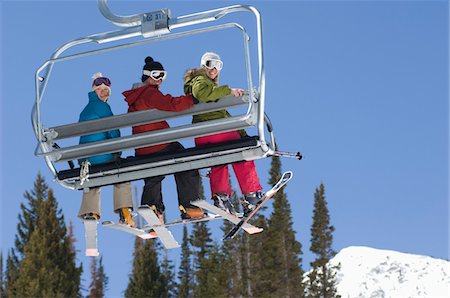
(296, 155)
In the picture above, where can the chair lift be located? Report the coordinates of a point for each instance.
(155, 26)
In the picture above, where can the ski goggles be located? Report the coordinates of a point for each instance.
(156, 74)
(102, 80)
(214, 63)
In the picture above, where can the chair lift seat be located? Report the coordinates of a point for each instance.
(125, 165)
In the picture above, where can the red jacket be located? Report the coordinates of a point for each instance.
(149, 97)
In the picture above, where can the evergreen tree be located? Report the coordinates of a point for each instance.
(216, 279)
(253, 251)
(231, 251)
(201, 243)
(168, 276)
(286, 251)
(28, 217)
(93, 290)
(11, 274)
(71, 236)
(145, 279)
(185, 270)
(278, 259)
(99, 280)
(2, 288)
(43, 250)
(27, 221)
(237, 259)
(322, 278)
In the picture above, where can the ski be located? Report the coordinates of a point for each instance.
(141, 233)
(230, 217)
(163, 234)
(207, 217)
(282, 182)
(90, 233)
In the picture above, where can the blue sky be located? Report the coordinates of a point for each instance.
(360, 87)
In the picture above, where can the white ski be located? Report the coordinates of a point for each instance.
(90, 233)
(163, 234)
(126, 228)
(285, 178)
(230, 217)
(207, 217)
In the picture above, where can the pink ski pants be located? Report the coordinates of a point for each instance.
(245, 171)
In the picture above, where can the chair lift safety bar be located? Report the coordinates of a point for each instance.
(154, 26)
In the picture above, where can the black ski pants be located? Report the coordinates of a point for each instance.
(188, 185)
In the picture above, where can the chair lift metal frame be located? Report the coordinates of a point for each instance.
(154, 26)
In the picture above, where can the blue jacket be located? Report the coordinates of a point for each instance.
(97, 109)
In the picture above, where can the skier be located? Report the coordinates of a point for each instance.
(144, 96)
(202, 83)
(95, 109)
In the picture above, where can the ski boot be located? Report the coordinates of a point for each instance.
(126, 217)
(91, 216)
(191, 212)
(222, 201)
(251, 201)
(158, 213)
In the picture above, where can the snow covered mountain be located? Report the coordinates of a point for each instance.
(368, 272)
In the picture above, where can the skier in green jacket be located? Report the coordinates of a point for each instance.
(202, 83)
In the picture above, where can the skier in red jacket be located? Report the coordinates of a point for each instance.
(144, 96)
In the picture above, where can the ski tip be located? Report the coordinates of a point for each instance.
(92, 252)
(252, 230)
(288, 175)
(150, 235)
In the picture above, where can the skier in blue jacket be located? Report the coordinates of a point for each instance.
(99, 108)
(96, 109)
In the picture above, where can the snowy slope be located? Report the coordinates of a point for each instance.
(369, 272)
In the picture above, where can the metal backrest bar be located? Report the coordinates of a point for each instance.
(137, 118)
(150, 138)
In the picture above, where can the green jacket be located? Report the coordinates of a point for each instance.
(197, 83)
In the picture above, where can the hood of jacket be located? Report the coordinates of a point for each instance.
(132, 95)
(191, 74)
(93, 96)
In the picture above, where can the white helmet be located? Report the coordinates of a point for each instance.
(210, 56)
